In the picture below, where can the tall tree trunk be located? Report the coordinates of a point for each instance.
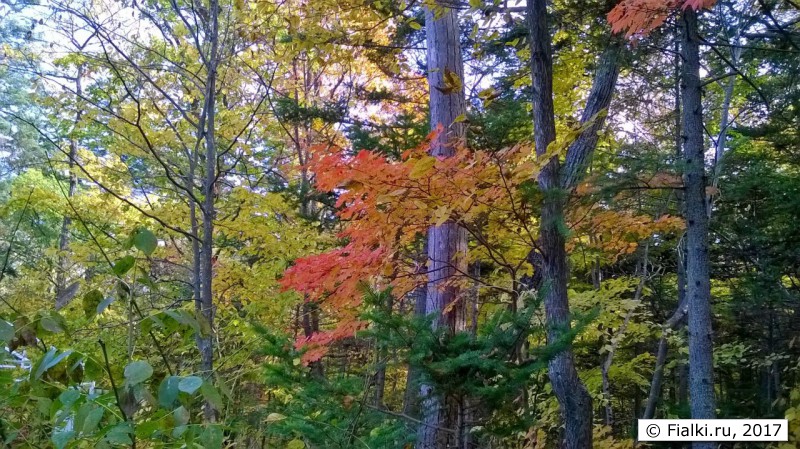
(207, 259)
(677, 317)
(572, 396)
(447, 244)
(698, 288)
(64, 293)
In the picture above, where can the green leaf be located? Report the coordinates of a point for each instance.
(43, 405)
(61, 439)
(128, 243)
(92, 420)
(52, 321)
(184, 317)
(224, 388)
(212, 395)
(181, 416)
(49, 360)
(137, 372)
(120, 434)
(91, 301)
(6, 330)
(212, 437)
(123, 265)
(68, 397)
(145, 241)
(104, 304)
(190, 384)
(168, 391)
(157, 423)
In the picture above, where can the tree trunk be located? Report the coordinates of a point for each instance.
(311, 327)
(207, 258)
(698, 288)
(661, 359)
(572, 396)
(64, 294)
(447, 244)
(679, 314)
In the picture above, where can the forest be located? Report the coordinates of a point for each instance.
(427, 224)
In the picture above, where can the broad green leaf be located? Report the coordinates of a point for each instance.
(91, 302)
(184, 317)
(212, 437)
(155, 424)
(137, 372)
(181, 416)
(92, 420)
(212, 395)
(52, 321)
(168, 391)
(68, 397)
(43, 405)
(120, 434)
(61, 439)
(123, 265)
(190, 384)
(145, 241)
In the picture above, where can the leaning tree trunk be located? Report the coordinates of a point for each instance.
(698, 288)
(447, 244)
(556, 183)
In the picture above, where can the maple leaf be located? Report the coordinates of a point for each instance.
(640, 17)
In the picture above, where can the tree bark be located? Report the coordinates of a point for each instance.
(677, 317)
(698, 288)
(446, 244)
(64, 294)
(661, 358)
(209, 213)
(572, 396)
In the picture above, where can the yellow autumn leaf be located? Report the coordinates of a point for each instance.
(421, 167)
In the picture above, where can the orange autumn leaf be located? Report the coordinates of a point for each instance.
(385, 206)
(640, 17)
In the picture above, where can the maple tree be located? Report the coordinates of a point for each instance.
(640, 17)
